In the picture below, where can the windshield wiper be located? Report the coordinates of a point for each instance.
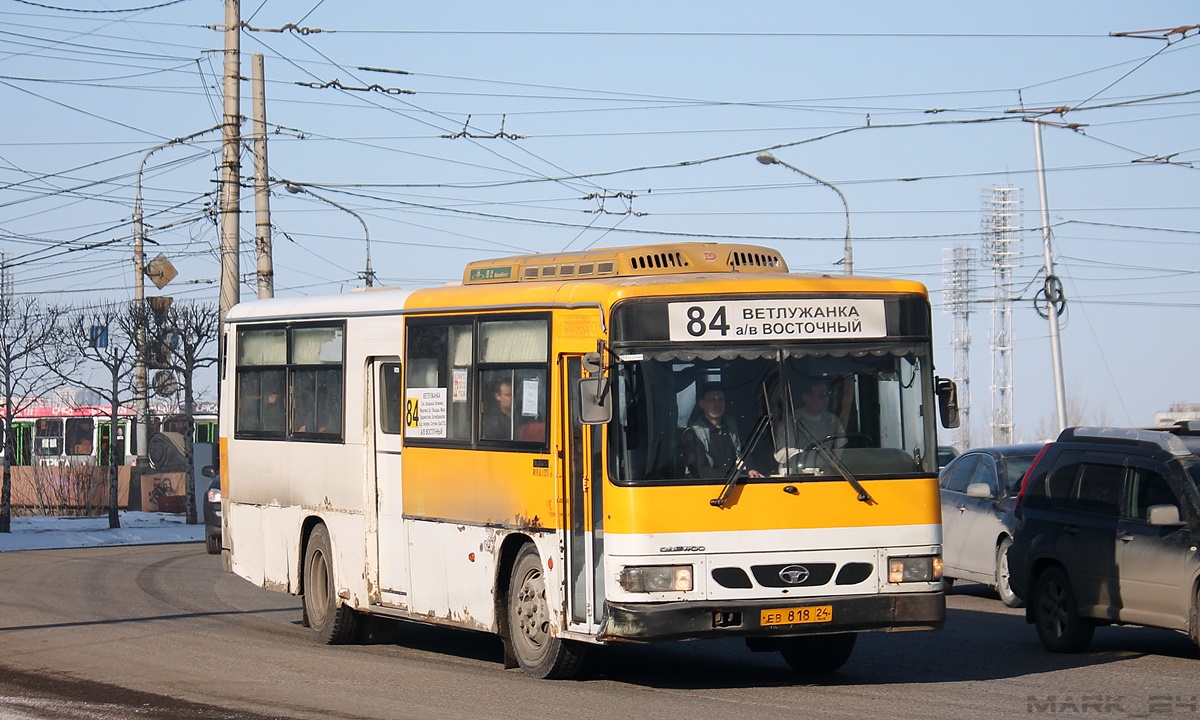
(836, 462)
(739, 465)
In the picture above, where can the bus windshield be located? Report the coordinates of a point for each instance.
(684, 414)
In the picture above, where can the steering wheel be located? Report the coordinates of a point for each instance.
(849, 437)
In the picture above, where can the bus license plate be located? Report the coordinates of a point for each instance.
(796, 615)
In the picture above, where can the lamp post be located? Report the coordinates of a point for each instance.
(767, 158)
(368, 275)
(139, 298)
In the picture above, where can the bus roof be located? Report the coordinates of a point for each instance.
(539, 280)
(65, 411)
(360, 301)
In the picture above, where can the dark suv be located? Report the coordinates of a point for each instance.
(1108, 526)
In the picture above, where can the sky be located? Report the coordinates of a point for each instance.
(476, 130)
(44, 532)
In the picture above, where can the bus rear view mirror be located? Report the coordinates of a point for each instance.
(947, 395)
(595, 407)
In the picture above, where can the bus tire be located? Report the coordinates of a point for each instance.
(538, 652)
(817, 653)
(212, 543)
(333, 623)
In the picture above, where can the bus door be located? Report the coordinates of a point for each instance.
(393, 536)
(585, 519)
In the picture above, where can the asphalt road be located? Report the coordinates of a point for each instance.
(162, 632)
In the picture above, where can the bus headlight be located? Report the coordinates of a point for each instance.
(656, 578)
(922, 568)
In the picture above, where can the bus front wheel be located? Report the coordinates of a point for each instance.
(333, 623)
(538, 651)
(817, 653)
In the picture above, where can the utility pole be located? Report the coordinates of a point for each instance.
(262, 190)
(1052, 291)
(231, 166)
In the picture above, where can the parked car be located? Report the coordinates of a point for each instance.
(1108, 527)
(979, 489)
(212, 512)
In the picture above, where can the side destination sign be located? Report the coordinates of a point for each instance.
(778, 319)
(491, 273)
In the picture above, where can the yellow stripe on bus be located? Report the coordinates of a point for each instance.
(767, 506)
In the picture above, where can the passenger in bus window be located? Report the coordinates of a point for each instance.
(272, 415)
(497, 418)
(711, 442)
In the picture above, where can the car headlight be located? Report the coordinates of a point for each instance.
(921, 568)
(214, 495)
(656, 578)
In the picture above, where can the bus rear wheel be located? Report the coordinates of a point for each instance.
(537, 650)
(817, 653)
(333, 623)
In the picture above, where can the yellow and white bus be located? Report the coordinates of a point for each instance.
(512, 454)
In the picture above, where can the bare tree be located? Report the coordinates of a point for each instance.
(103, 338)
(186, 336)
(25, 328)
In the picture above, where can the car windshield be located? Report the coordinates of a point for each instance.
(682, 413)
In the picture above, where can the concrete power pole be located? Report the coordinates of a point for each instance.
(958, 291)
(262, 191)
(1002, 248)
(231, 165)
(1051, 295)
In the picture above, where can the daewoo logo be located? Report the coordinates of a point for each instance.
(682, 548)
(793, 574)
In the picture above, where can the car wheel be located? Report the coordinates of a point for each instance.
(538, 651)
(1056, 616)
(1007, 596)
(333, 623)
(212, 543)
(817, 653)
(947, 583)
(1194, 619)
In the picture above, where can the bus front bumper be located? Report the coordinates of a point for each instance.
(651, 622)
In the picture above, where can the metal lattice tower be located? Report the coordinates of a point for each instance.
(957, 293)
(1002, 208)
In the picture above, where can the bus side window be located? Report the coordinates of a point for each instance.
(316, 374)
(80, 432)
(261, 401)
(48, 438)
(513, 358)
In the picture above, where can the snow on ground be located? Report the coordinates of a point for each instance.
(137, 528)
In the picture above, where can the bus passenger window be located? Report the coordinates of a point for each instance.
(316, 358)
(261, 399)
(437, 394)
(48, 434)
(79, 436)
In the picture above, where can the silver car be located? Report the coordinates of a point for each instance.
(979, 489)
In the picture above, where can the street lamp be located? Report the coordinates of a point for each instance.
(767, 158)
(368, 275)
(141, 390)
